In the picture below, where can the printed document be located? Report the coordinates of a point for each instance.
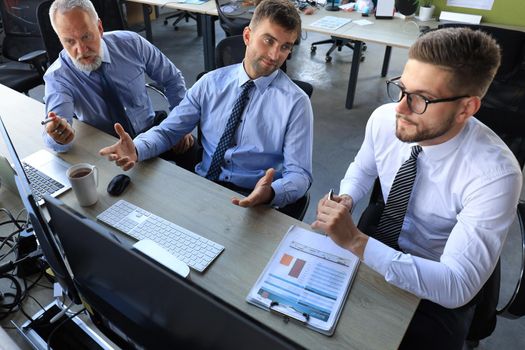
(307, 279)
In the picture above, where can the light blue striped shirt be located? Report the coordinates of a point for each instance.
(276, 130)
(70, 91)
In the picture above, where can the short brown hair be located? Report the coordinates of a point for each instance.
(472, 57)
(281, 12)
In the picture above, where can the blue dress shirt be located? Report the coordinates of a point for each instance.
(276, 130)
(71, 92)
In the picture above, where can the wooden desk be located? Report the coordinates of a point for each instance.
(390, 32)
(376, 314)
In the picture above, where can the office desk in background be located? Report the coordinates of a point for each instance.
(207, 23)
(389, 32)
(376, 314)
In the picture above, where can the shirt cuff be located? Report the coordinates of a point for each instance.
(141, 149)
(56, 146)
(278, 198)
(378, 256)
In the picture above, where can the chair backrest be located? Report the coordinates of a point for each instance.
(51, 42)
(230, 50)
(232, 25)
(111, 14)
(22, 34)
(503, 107)
(515, 307)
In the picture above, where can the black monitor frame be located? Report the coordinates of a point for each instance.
(48, 244)
(142, 304)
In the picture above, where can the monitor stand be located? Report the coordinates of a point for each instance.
(73, 334)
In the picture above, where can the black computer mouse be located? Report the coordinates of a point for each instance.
(118, 184)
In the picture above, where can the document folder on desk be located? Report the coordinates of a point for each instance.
(307, 279)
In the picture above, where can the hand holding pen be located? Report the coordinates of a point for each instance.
(58, 129)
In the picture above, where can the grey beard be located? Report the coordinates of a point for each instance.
(88, 67)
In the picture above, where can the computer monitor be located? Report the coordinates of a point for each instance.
(142, 304)
(40, 227)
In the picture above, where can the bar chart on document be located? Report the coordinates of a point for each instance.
(308, 274)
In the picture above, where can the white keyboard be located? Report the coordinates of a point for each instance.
(196, 251)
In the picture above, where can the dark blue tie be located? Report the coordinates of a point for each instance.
(227, 137)
(396, 205)
(115, 106)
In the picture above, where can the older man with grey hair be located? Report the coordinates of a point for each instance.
(99, 77)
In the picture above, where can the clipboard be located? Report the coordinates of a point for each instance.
(306, 281)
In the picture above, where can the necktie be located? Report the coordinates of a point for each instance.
(118, 113)
(396, 205)
(227, 137)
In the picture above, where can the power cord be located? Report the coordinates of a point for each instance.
(69, 318)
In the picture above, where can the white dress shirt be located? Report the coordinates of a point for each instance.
(463, 202)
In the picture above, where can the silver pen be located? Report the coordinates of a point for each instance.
(47, 120)
(331, 194)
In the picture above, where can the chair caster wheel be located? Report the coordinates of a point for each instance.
(165, 22)
(313, 49)
(362, 58)
(328, 59)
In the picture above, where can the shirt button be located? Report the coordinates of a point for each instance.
(227, 177)
(228, 162)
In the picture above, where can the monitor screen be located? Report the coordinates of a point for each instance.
(44, 236)
(144, 304)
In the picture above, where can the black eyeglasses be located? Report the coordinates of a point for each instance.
(417, 103)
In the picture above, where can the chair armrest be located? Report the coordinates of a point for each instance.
(157, 89)
(515, 307)
(34, 55)
(37, 58)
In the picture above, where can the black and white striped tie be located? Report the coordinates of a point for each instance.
(396, 205)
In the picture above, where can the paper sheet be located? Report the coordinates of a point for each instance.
(331, 22)
(473, 4)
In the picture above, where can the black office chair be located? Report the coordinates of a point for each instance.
(231, 24)
(503, 110)
(180, 15)
(22, 46)
(111, 13)
(337, 43)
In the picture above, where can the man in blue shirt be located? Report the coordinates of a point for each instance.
(271, 152)
(74, 83)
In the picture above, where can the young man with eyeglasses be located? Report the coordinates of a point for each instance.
(460, 186)
(269, 157)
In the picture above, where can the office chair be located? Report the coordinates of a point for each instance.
(179, 15)
(232, 25)
(337, 43)
(503, 110)
(22, 46)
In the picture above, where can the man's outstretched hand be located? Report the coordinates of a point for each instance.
(261, 194)
(123, 153)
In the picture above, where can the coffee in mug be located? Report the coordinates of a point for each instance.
(80, 173)
(84, 181)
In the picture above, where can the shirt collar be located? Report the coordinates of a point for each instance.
(438, 152)
(105, 52)
(261, 83)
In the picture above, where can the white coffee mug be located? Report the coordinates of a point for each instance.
(84, 181)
